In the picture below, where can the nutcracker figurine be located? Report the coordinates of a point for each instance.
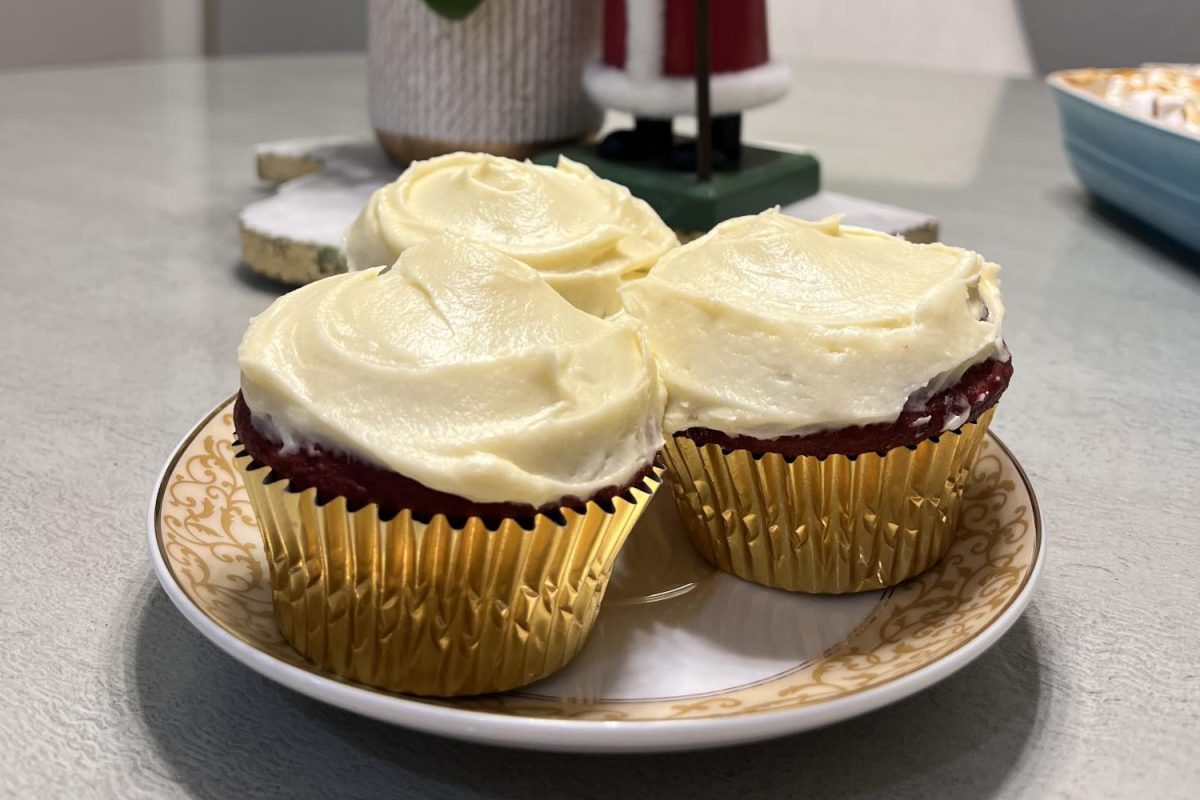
(705, 58)
(648, 68)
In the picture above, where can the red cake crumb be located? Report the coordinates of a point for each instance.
(335, 474)
(977, 391)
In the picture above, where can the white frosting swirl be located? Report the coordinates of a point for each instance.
(770, 326)
(583, 234)
(460, 368)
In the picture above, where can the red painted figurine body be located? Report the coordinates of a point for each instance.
(647, 69)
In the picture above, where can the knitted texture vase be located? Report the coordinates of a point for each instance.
(507, 79)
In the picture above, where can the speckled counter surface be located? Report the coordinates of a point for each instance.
(121, 304)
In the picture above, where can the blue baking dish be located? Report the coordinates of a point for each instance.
(1147, 168)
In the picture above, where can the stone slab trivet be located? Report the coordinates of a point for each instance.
(295, 235)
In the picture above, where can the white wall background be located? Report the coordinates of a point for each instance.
(971, 35)
(991, 36)
(38, 33)
(286, 26)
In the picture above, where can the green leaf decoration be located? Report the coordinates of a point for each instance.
(454, 9)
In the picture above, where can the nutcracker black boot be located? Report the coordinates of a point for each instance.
(727, 146)
(649, 139)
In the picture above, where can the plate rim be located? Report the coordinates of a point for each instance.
(580, 735)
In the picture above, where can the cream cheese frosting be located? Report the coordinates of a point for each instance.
(585, 235)
(460, 368)
(771, 326)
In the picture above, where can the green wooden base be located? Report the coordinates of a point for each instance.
(765, 178)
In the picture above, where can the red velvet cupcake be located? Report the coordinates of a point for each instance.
(444, 457)
(828, 390)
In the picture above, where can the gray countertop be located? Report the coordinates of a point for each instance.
(121, 304)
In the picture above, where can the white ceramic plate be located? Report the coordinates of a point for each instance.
(682, 656)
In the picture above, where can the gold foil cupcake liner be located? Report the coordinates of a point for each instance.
(431, 608)
(831, 525)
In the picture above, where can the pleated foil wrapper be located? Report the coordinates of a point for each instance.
(830, 526)
(430, 608)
